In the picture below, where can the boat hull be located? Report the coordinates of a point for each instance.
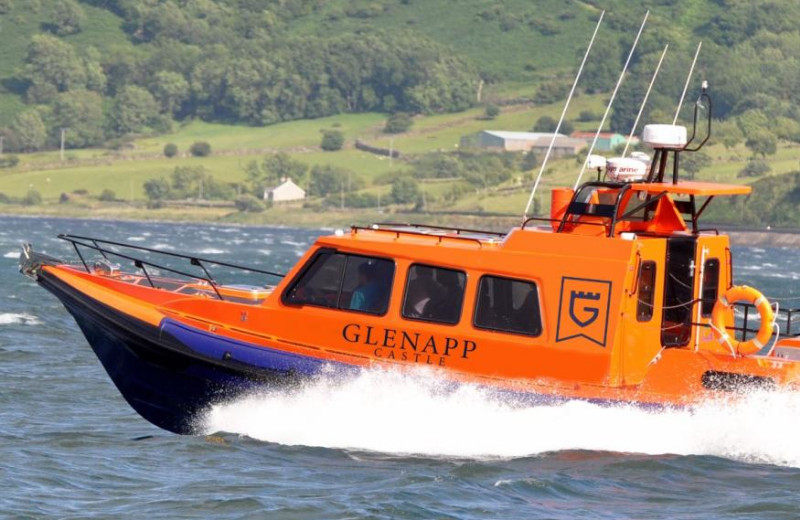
(161, 378)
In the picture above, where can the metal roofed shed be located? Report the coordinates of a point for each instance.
(508, 141)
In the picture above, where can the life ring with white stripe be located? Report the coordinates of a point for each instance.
(747, 294)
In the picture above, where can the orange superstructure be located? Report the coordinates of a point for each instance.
(619, 296)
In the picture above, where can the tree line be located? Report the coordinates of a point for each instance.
(230, 61)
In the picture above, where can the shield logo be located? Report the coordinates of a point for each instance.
(583, 310)
(590, 313)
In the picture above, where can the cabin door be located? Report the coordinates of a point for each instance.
(676, 325)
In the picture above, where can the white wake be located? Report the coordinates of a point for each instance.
(12, 318)
(414, 414)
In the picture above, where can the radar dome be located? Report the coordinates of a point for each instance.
(670, 137)
(595, 161)
(625, 169)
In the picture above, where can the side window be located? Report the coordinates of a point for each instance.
(348, 282)
(509, 306)
(646, 291)
(367, 284)
(710, 286)
(434, 294)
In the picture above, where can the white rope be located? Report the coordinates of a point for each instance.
(644, 101)
(561, 120)
(777, 337)
(723, 335)
(611, 101)
(688, 80)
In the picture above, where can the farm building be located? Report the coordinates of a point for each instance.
(522, 142)
(284, 192)
(606, 141)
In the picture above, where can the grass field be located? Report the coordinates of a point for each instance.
(234, 146)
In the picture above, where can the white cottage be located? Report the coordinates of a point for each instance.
(284, 192)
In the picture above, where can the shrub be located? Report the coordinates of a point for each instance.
(492, 111)
(249, 204)
(200, 149)
(8, 161)
(360, 200)
(545, 124)
(587, 115)
(529, 162)
(5, 199)
(170, 150)
(108, 195)
(32, 198)
(398, 123)
(404, 190)
(332, 140)
(157, 189)
(120, 143)
(755, 168)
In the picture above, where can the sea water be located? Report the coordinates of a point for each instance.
(379, 445)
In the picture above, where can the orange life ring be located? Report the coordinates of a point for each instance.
(735, 294)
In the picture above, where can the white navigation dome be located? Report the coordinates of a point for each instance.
(671, 137)
(595, 161)
(625, 169)
(641, 156)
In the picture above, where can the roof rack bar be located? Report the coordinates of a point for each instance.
(443, 228)
(399, 232)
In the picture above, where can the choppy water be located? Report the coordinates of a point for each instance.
(379, 446)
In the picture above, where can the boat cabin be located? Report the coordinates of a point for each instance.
(620, 272)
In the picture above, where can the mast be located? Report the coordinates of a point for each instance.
(561, 119)
(644, 101)
(611, 101)
(686, 85)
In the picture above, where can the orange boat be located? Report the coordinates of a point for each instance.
(619, 296)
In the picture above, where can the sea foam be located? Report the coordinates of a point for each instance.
(417, 414)
(12, 318)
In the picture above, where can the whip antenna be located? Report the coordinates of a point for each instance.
(611, 101)
(561, 120)
(644, 101)
(688, 80)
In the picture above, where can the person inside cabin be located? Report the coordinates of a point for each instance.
(446, 307)
(421, 290)
(527, 317)
(367, 296)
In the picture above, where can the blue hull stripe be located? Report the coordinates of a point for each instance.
(217, 347)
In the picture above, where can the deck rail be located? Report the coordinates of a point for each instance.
(97, 244)
(787, 316)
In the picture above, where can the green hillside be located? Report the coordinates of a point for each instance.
(263, 61)
(255, 78)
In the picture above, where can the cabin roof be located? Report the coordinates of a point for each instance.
(693, 188)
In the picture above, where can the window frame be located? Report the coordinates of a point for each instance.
(652, 303)
(428, 320)
(703, 302)
(333, 251)
(505, 331)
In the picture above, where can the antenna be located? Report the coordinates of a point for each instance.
(644, 101)
(611, 101)
(561, 120)
(688, 80)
